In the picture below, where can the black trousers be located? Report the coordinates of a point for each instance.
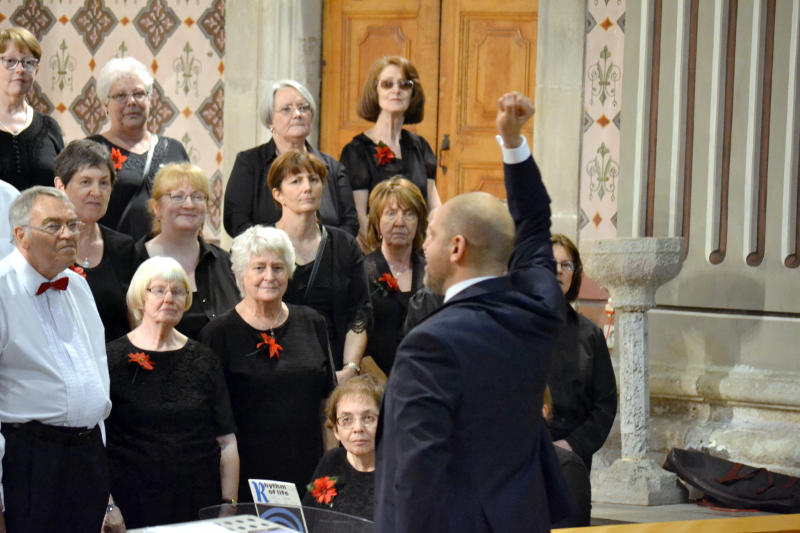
(54, 479)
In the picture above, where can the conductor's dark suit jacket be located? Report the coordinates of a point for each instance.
(462, 446)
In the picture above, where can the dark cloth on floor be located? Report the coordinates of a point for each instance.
(127, 207)
(216, 287)
(583, 387)
(109, 281)
(248, 198)
(162, 432)
(389, 308)
(339, 291)
(28, 158)
(51, 465)
(418, 163)
(276, 400)
(577, 478)
(355, 490)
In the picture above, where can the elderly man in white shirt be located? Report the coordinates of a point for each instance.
(54, 385)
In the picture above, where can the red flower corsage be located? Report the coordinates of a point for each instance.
(78, 270)
(389, 281)
(141, 359)
(383, 154)
(323, 489)
(118, 158)
(274, 347)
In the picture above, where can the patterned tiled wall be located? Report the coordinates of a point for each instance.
(181, 41)
(605, 38)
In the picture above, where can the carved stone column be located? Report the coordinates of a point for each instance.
(631, 270)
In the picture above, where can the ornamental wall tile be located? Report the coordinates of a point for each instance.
(75, 48)
(599, 169)
(34, 16)
(94, 21)
(39, 100)
(215, 202)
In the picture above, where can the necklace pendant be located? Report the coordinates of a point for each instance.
(85, 263)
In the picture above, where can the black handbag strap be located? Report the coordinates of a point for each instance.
(143, 185)
(317, 261)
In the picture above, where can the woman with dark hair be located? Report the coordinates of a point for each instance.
(330, 274)
(581, 381)
(288, 111)
(395, 269)
(29, 141)
(392, 96)
(84, 170)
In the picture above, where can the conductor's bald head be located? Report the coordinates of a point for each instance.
(471, 235)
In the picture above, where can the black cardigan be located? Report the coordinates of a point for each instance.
(248, 199)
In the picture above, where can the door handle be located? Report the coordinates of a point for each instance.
(443, 147)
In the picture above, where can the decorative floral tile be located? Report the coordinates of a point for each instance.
(181, 42)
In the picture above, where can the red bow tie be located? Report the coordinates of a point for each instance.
(60, 285)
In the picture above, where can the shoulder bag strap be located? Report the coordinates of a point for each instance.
(144, 184)
(317, 261)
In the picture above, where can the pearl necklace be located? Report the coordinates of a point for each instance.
(397, 272)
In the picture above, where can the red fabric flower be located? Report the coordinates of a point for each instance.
(78, 270)
(383, 154)
(323, 489)
(274, 347)
(390, 282)
(141, 359)
(118, 158)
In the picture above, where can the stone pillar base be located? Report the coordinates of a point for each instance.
(640, 482)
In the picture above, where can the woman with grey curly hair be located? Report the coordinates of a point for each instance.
(276, 361)
(287, 111)
(125, 87)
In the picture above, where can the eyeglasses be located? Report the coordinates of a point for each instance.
(55, 228)
(567, 266)
(138, 96)
(179, 197)
(407, 214)
(300, 108)
(161, 292)
(29, 64)
(347, 421)
(405, 85)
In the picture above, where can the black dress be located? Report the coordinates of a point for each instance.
(216, 287)
(389, 308)
(28, 158)
(583, 387)
(418, 163)
(161, 434)
(276, 400)
(355, 490)
(109, 281)
(339, 291)
(248, 198)
(127, 207)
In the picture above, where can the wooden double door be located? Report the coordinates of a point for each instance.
(467, 52)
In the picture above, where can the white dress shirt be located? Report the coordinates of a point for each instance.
(53, 366)
(511, 156)
(8, 193)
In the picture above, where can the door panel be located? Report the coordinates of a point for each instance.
(487, 49)
(356, 34)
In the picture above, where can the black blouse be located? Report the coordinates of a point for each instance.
(389, 308)
(418, 163)
(583, 387)
(248, 198)
(355, 490)
(127, 207)
(28, 158)
(339, 291)
(216, 287)
(109, 281)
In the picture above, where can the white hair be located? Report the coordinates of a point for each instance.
(19, 212)
(161, 267)
(255, 241)
(268, 106)
(119, 67)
